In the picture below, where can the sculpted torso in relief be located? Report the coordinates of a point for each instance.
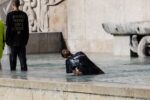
(4, 8)
(28, 7)
(38, 12)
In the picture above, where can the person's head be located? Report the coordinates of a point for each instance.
(65, 53)
(15, 4)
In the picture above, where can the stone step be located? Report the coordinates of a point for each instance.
(15, 89)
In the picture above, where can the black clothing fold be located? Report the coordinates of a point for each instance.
(83, 63)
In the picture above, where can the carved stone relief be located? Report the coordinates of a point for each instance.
(28, 7)
(139, 47)
(38, 12)
(4, 8)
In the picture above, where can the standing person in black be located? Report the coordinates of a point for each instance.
(17, 35)
(80, 64)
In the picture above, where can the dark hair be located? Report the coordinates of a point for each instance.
(16, 3)
(65, 53)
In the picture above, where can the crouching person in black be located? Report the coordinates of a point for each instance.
(80, 64)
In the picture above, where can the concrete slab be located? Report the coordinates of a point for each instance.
(52, 66)
(125, 78)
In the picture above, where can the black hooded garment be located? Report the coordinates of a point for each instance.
(83, 63)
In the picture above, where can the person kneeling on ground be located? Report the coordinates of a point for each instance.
(80, 64)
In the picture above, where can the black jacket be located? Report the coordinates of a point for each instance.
(17, 33)
(83, 63)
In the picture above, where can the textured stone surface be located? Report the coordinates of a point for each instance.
(121, 45)
(125, 78)
(128, 28)
(85, 18)
(81, 20)
(44, 43)
(33, 43)
(54, 42)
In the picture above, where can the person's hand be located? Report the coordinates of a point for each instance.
(77, 72)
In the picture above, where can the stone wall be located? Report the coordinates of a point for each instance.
(86, 16)
(29, 94)
(45, 16)
(44, 43)
(80, 21)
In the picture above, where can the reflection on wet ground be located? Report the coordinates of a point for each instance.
(52, 67)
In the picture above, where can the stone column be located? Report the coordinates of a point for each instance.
(121, 45)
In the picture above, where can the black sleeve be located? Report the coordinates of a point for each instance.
(8, 30)
(26, 37)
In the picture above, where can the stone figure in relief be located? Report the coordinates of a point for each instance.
(38, 12)
(44, 19)
(134, 43)
(140, 48)
(21, 4)
(55, 2)
(28, 7)
(44, 16)
(4, 9)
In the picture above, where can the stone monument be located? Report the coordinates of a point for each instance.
(37, 10)
(135, 36)
(42, 16)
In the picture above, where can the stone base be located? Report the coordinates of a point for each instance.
(121, 45)
(44, 43)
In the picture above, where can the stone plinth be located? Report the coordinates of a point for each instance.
(129, 36)
(140, 28)
(44, 42)
(121, 46)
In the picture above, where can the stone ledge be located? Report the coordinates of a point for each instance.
(44, 43)
(104, 89)
(138, 28)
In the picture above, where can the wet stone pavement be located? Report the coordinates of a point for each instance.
(123, 70)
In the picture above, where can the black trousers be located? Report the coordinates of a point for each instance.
(19, 51)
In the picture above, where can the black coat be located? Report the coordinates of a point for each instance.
(17, 33)
(83, 63)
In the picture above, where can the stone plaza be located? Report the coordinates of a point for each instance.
(103, 29)
(125, 78)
